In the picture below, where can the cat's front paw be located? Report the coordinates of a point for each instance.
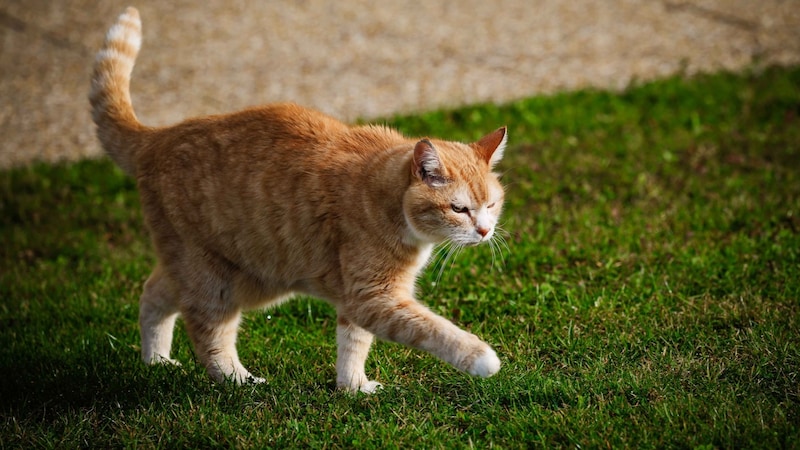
(485, 365)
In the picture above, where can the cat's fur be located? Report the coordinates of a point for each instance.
(246, 209)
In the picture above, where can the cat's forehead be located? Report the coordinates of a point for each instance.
(476, 192)
(472, 182)
(461, 161)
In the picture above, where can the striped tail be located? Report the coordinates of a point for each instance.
(118, 129)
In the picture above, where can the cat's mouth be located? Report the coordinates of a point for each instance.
(485, 236)
(474, 242)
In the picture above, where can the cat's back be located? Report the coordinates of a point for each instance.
(259, 133)
(282, 136)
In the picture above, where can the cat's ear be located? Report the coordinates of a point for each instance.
(492, 146)
(427, 166)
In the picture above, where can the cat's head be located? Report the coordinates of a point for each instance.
(454, 195)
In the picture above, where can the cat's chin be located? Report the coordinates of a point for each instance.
(473, 242)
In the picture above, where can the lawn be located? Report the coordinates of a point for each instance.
(649, 296)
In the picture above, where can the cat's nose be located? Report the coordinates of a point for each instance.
(482, 231)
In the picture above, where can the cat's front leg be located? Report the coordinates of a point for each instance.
(404, 320)
(353, 344)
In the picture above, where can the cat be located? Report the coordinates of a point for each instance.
(249, 208)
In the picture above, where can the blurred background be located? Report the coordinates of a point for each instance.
(360, 59)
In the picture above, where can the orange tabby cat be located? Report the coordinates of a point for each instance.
(248, 208)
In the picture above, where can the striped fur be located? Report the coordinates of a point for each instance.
(112, 111)
(247, 209)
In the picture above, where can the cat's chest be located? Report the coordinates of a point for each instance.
(422, 258)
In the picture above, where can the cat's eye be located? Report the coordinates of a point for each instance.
(491, 205)
(459, 209)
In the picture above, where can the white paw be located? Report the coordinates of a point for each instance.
(367, 387)
(247, 378)
(238, 377)
(370, 387)
(256, 380)
(158, 359)
(486, 365)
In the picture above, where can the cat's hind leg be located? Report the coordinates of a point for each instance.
(212, 323)
(353, 344)
(158, 310)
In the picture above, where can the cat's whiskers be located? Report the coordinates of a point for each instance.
(497, 252)
(498, 244)
(501, 234)
(446, 255)
(492, 250)
(438, 259)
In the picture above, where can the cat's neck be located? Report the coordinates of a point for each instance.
(398, 168)
(390, 176)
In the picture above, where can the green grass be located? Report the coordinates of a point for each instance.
(649, 297)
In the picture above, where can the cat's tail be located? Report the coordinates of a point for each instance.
(118, 129)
